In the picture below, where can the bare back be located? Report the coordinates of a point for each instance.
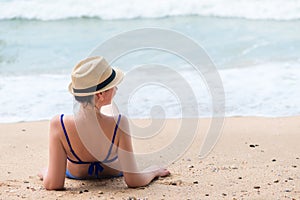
(90, 148)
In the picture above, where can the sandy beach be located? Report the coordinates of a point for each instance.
(255, 158)
(181, 59)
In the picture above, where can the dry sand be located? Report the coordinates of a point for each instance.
(255, 158)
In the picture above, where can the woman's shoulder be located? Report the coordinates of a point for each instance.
(116, 118)
(120, 120)
(58, 121)
(55, 121)
(123, 123)
(123, 119)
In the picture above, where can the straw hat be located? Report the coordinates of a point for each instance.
(93, 75)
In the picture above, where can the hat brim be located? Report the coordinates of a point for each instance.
(118, 78)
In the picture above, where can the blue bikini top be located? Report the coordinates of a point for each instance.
(95, 167)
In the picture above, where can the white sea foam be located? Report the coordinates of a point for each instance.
(270, 89)
(118, 9)
(38, 97)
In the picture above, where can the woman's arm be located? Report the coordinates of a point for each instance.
(132, 176)
(54, 177)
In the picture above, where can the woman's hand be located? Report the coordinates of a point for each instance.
(158, 171)
(162, 172)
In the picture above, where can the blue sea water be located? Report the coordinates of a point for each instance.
(256, 52)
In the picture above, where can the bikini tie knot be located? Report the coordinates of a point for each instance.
(95, 168)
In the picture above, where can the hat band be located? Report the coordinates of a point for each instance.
(99, 86)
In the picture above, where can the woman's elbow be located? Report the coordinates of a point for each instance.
(135, 182)
(48, 185)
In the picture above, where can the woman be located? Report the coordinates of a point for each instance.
(90, 144)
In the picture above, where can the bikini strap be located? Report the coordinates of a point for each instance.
(112, 142)
(116, 129)
(69, 143)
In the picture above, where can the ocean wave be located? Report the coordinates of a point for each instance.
(276, 94)
(131, 9)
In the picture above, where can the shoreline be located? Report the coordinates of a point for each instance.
(254, 158)
(201, 117)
